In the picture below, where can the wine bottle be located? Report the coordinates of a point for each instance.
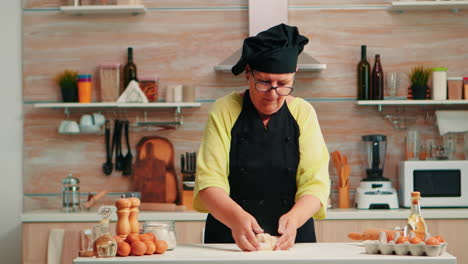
(130, 70)
(377, 80)
(415, 222)
(363, 78)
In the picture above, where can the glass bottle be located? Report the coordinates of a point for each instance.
(129, 71)
(104, 245)
(363, 78)
(415, 222)
(377, 80)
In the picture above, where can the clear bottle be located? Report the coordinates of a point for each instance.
(104, 245)
(363, 78)
(377, 86)
(415, 222)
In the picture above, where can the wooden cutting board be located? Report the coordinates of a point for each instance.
(154, 172)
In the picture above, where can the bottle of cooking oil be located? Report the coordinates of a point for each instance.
(415, 222)
(104, 244)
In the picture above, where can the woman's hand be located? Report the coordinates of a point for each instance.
(244, 227)
(287, 228)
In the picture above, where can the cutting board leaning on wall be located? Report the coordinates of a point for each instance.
(154, 172)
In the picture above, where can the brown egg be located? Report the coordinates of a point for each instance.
(441, 239)
(415, 240)
(132, 238)
(150, 247)
(432, 241)
(145, 237)
(138, 248)
(402, 239)
(123, 249)
(161, 246)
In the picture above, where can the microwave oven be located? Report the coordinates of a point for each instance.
(442, 183)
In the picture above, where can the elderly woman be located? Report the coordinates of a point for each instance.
(263, 163)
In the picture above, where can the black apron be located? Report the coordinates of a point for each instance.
(262, 172)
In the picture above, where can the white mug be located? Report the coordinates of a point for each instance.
(99, 119)
(68, 127)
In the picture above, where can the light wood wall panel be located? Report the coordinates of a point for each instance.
(181, 45)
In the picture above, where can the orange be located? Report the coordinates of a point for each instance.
(433, 241)
(161, 246)
(138, 248)
(132, 238)
(402, 239)
(150, 247)
(145, 237)
(123, 249)
(153, 236)
(415, 240)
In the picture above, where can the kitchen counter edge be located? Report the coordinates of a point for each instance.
(45, 216)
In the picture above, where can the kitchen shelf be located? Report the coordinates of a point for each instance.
(412, 102)
(117, 105)
(103, 9)
(429, 5)
(112, 105)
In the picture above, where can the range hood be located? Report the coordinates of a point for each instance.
(264, 14)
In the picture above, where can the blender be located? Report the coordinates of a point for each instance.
(375, 191)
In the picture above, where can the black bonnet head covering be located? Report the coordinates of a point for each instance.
(274, 50)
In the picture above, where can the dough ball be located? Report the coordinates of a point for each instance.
(267, 242)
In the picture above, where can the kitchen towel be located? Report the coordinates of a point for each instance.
(452, 121)
(55, 246)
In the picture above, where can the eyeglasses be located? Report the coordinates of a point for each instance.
(266, 87)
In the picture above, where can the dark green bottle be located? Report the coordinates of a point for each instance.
(130, 70)
(363, 76)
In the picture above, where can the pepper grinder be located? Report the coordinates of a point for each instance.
(134, 212)
(123, 212)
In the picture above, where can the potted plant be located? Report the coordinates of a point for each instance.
(68, 82)
(419, 76)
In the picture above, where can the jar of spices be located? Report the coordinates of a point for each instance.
(84, 88)
(439, 83)
(465, 89)
(163, 230)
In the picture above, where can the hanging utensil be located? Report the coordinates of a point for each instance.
(127, 160)
(118, 146)
(107, 166)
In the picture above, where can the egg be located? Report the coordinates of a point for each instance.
(123, 249)
(441, 239)
(161, 246)
(432, 241)
(415, 240)
(138, 248)
(402, 239)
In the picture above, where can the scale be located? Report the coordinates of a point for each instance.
(375, 191)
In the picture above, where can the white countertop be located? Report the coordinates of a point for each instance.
(349, 253)
(332, 214)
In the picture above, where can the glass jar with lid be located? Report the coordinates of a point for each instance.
(163, 230)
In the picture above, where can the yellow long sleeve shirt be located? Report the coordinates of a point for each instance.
(213, 157)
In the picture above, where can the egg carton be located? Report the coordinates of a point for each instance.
(383, 247)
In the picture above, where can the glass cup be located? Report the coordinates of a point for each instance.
(412, 145)
(449, 145)
(391, 83)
